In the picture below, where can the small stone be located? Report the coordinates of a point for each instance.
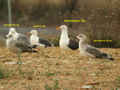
(87, 86)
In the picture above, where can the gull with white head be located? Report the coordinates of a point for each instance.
(65, 42)
(88, 50)
(17, 42)
(35, 40)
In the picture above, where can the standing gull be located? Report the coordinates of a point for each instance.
(65, 42)
(17, 42)
(88, 50)
(35, 40)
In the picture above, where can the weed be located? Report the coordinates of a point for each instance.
(19, 63)
(48, 87)
(50, 74)
(55, 87)
(4, 73)
(118, 81)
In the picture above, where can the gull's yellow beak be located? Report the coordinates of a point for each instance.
(57, 28)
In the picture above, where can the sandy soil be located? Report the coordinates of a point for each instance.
(55, 69)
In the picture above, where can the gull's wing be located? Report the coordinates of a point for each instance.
(23, 43)
(97, 53)
(93, 51)
(45, 42)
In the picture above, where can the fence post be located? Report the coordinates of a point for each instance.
(9, 12)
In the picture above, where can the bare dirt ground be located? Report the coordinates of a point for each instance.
(54, 69)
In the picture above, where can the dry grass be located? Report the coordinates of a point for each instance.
(41, 70)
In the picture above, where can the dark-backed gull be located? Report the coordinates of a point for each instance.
(35, 40)
(18, 42)
(65, 42)
(88, 50)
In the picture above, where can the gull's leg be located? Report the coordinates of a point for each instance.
(19, 57)
(62, 53)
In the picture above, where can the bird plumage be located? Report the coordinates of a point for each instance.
(73, 44)
(18, 42)
(97, 53)
(65, 42)
(23, 43)
(35, 40)
(88, 50)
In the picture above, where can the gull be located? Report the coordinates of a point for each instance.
(18, 42)
(35, 40)
(88, 50)
(65, 42)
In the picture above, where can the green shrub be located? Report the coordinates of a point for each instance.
(55, 86)
(55, 41)
(4, 73)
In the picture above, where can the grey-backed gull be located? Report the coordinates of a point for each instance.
(88, 50)
(18, 42)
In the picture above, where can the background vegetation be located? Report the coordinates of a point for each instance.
(53, 68)
(102, 17)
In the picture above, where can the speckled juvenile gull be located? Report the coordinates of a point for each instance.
(88, 50)
(17, 41)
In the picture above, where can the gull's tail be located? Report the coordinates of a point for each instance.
(107, 56)
(29, 49)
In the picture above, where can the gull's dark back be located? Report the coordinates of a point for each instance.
(45, 42)
(73, 44)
